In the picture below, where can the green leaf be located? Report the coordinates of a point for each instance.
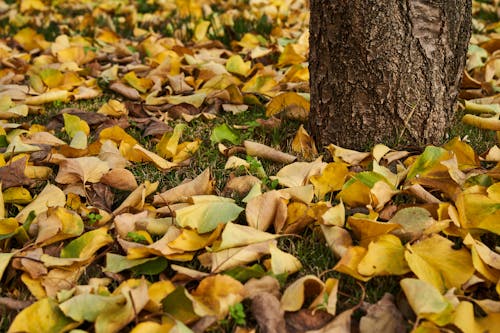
(116, 263)
(427, 160)
(87, 244)
(151, 267)
(244, 273)
(224, 132)
(427, 301)
(89, 306)
(205, 216)
(179, 306)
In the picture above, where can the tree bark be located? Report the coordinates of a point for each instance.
(386, 70)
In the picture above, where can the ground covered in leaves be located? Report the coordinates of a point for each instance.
(156, 176)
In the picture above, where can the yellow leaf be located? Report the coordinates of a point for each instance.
(43, 316)
(141, 84)
(307, 287)
(331, 179)
(17, 146)
(108, 37)
(196, 99)
(113, 108)
(147, 155)
(59, 223)
(186, 150)
(152, 327)
(479, 211)
(116, 134)
(200, 31)
(51, 196)
(17, 195)
(167, 147)
(190, 240)
(236, 235)
(28, 5)
(435, 261)
(8, 225)
(294, 105)
(349, 262)
(485, 261)
(30, 40)
(87, 244)
(298, 173)
(73, 124)
(137, 198)
(236, 65)
(48, 97)
(34, 286)
(385, 256)
(215, 294)
(79, 140)
(291, 56)
(282, 262)
(368, 230)
(466, 321)
(347, 155)
(157, 292)
(259, 83)
(51, 77)
(249, 42)
(189, 8)
(304, 144)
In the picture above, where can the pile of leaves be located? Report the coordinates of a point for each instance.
(91, 92)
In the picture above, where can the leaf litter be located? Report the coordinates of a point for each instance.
(88, 245)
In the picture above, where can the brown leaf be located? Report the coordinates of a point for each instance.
(12, 174)
(240, 185)
(84, 169)
(156, 128)
(176, 111)
(267, 284)
(341, 324)
(305, 319)
(261, 210)
(100, 196)
(121, 179)
(125, 90)
(202, 184)
(383, 317)
(267, 312)
(268, 153)
(14, 304)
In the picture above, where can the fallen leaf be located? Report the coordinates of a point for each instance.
(263, 151)
(261, 210)
(205, 216)
(451, 268)
(427, 302)
(120, 178)
(82, 169)
(215, 294)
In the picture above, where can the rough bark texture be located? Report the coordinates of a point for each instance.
(385, 70)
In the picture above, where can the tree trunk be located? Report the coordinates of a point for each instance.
(386, 70)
